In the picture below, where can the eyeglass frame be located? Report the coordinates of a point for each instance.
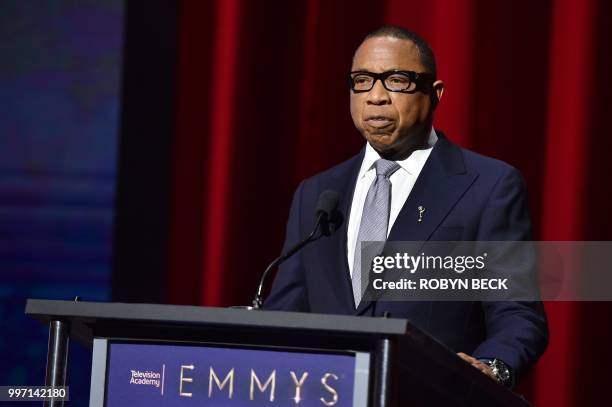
(422, 80)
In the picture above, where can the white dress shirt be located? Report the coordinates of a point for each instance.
(402, 182)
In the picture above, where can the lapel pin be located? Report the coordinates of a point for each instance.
(421, 211)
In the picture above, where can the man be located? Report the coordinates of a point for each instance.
(410, 183)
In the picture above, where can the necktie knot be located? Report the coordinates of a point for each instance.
(386, 167)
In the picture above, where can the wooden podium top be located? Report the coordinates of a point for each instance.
(145, 314)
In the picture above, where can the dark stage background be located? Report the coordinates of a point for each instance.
(60, 71)
(226, 105)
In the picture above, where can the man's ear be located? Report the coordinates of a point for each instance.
(437, 90)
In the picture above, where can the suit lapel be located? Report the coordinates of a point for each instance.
(441, 183)
(344, 183)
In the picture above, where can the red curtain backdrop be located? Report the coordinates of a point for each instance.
(263, 102)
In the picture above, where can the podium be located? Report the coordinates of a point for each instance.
(168, 355)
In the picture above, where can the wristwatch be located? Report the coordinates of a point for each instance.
(501, 371)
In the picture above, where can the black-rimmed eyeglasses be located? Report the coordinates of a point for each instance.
(393, 81)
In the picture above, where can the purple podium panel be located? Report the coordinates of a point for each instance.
(186, 375)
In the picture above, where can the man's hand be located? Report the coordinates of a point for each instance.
(484, 368)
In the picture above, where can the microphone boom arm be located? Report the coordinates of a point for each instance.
(258, 300)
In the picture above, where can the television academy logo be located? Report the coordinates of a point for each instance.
(148, 378)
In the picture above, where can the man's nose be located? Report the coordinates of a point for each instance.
(378, 95)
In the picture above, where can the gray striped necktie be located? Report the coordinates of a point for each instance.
(374, 219)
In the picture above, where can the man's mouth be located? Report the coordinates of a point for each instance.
(379, 121)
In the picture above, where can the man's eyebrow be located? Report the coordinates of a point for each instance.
(390, 69)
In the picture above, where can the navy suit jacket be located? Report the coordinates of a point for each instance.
(467, 197)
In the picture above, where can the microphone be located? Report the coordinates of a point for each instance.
(328, 221)
(326, 209)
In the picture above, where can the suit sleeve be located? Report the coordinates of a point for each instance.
(289, 288)
(517, 332)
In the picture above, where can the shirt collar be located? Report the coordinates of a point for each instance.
(412, 164)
